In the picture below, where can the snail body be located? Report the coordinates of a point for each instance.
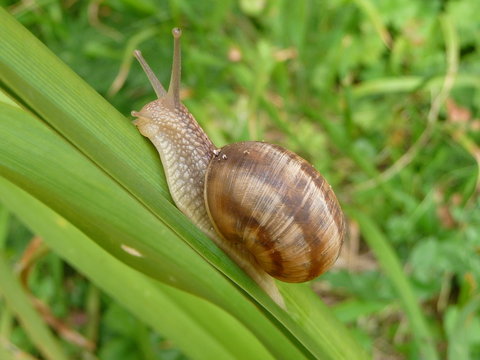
(265, 206)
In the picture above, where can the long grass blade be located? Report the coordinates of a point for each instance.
(182, 318)
(391, 267)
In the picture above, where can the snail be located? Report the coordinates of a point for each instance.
(265, 206)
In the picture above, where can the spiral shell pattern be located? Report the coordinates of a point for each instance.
(274, 203)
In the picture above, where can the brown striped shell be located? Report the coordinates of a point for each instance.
(274, 203)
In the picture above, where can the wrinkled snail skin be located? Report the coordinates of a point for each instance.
(265, 206)
(185, 152)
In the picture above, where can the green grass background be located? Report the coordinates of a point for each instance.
(382, 97)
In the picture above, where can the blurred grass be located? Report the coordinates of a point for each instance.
(317, 77)
(31, 321)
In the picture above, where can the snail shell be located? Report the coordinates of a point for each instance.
(265, 206)
(278, 206)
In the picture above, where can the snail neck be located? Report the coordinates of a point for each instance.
(185, 151)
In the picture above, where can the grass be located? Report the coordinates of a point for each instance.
(381, 96)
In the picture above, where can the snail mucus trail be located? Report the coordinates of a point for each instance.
(265, 206)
